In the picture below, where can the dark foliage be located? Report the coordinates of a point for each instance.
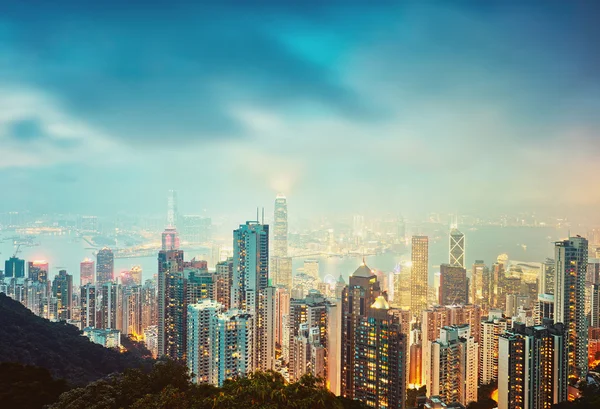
(28, 387)
(484, 397)
(59, 347)
(413, 394)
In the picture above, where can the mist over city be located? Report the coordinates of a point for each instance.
(286, 204)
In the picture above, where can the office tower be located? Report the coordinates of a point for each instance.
(170, 239)
(380, 369)
(86, 272)
(571, 257)
(36, 294)
(281, 271)
(532, 372)
(111, 307)
(415, 360)
(547, 274)
(457, 248)
(62, 289)
(172, 309)
(453, 285)
(88, 306)
(200, 285)
(223, 278)
(37, 271)
(309, 337)
(14, 267)
(492, 327)
(219, 343)
(595, 306)
(132, 311)
(419, 277)
(454, 366)
(477, 293)
(361, 292)
(280, 227)
(105, 266)
(136, 275)
(311, 268)
(172, 211)
(402, 286)
(195, 229)
(283, 311)
(149, 305)
(544, 308)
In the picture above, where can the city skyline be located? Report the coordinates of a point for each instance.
(463, 91)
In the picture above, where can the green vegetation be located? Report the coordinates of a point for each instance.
(27, 386)
(413, 394)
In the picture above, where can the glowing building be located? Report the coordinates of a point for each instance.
(419, 278)
(105, 266)
(62, 289)
(457, 248)
(453, 285)
(86, 272)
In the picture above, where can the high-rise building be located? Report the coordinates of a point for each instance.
(357, 297)
(149, 306)
(62, 289)
(280, 227)
(571, 257)
(454, 366)
(200, 285)
(87, 272)
(532, 371)
(105, 266)
(477, 293)
(88, 306)
(111, 307)
(457, 248)
(219, 343)
(37, 271)
(172, 211)
(14, 267)
(419, 274)
(223, 278)
(453, 285)
(170, 239)
(132, 311)
(380, 347)
(281, 271)
(492, 327)
(547, 277)
(172, 308)
(544, 308)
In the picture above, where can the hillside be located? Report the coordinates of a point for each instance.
(59, 347)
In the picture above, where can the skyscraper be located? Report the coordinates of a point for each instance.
(280, 227)
(88, 306)
(37, 271)
(105, 266)
(172, 211)
(281, 271)
(419, 279)
(132, 310)
(149, 305)
(86, 272)
(170, 239)
(14, 267)
(62, 289)
(571, 257)
(224, 276)
(492, 327)
(453, 285)
(457, 248)
(477, 294)
(111, 309)
(532, 371)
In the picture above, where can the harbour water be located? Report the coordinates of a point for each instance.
(483, 243)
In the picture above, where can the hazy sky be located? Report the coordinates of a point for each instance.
(352, 106)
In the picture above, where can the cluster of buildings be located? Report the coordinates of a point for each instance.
(529, 328)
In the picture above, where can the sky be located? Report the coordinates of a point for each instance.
(344, 106)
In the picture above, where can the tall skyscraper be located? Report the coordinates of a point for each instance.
(492, 327)
(532, 371)
(37, 271)
(132, 310)
(419, 279)
(87, 273)
(571, 257)
(457, 248)
(62, 289)
(547, 277)
(88, 306)
(281, 271)
(172, 211)
(170, 239)
(477, 294)
(105, 266)
(149, 305)
(111, 307)
(280, 227)
(357, 297)
(14, 267)
(453, 285)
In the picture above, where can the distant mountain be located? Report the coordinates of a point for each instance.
(59, 347)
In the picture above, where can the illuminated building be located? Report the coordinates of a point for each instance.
(454, 366)
(223, 277)
(37, 271)
(132, 310)
(136, 275)
(283, 310)
(360, 293)
(86, 272)
(62, 289)
(170, 240)
(595, 306)
(477, 293)
(172, 307)
(149, 306)
(311, 340)
(544, 308)
(402, 286)
(532, 367)
(457, 248)
(419, 277)
(547, 277)
(453, 285)
(380, 348)
(571, 257)
(492, 327)
(151, 339)
(105, 266)
(14, 267)
(219, 343)
(111, 307)
(88, 302)
(280, 227)
(200, 285)
(172, 211)
(249, 285)
(108, 338)
(281, 271)
(415, 359)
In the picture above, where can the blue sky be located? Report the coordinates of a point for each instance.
(372, 106)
